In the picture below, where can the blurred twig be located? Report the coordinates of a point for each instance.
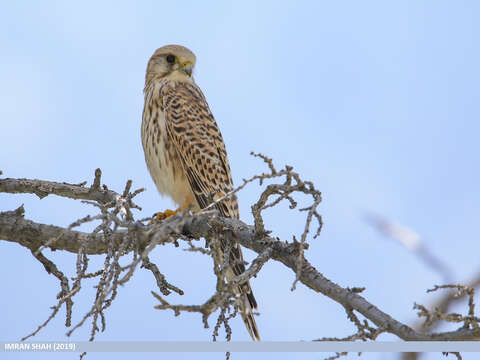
(413, 242)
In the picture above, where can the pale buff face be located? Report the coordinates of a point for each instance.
(171, 61)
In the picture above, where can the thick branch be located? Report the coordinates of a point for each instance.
(14, 228)
(43, 188)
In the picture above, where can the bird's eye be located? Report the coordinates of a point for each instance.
(170, 59)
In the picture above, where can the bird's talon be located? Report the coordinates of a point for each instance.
(165, 214)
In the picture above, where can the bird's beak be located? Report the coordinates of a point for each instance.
(187, 68)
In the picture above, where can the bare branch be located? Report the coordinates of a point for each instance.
(25, 232)
(469, 321)
(118, 235)
(51, 268)
(162, 283)
(43, 188)
(337, 355)
(456, 354)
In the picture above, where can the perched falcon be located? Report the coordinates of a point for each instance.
(185, 153)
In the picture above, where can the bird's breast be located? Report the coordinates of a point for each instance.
(161, 155)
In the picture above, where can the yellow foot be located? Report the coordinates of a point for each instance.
(166, 214)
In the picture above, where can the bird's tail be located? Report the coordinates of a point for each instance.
(247, 305)
(245, 299)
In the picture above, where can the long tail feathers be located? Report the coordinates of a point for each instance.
(251, 326)
(247, 305)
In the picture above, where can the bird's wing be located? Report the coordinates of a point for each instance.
(199, 144)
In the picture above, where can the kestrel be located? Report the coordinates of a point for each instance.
(185, 153)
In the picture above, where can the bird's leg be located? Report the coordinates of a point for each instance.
(162, 215)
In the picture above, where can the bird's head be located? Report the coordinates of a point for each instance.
(171, 61)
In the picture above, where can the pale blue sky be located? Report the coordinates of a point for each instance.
(376, 102)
